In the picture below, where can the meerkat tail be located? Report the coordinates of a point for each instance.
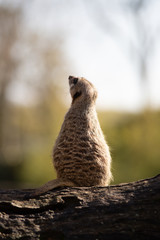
(55, 183)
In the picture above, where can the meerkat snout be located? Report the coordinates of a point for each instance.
(75, 90)
(72, 81)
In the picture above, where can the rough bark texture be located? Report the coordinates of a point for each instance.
(125, 211)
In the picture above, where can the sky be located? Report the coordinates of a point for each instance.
(93, 50)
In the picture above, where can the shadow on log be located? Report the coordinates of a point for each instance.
(125, 211)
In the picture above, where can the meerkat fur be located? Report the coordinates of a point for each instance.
(81, 156)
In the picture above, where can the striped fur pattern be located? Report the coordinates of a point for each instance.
(81, 154)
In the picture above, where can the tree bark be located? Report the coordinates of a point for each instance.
(125, 211)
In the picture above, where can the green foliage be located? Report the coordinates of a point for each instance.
(28, 140)
(39, 133)
(28, 128)
(134, 141)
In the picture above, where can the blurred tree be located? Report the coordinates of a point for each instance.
(28, 127)
(134, 141)
(139, 40)
(9, 20)
(47, 111)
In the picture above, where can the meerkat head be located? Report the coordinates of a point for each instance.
(82, 90)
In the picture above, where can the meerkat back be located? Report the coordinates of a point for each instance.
(81, 154)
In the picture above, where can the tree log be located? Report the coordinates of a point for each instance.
(126, 211)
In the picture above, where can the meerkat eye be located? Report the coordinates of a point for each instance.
(75, 80)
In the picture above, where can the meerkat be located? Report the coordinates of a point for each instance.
(81, 156)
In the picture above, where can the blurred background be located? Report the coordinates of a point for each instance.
(115, 45)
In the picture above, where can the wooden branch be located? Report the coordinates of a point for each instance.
(125, 211)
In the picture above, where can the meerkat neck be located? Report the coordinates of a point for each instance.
(81, 108)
